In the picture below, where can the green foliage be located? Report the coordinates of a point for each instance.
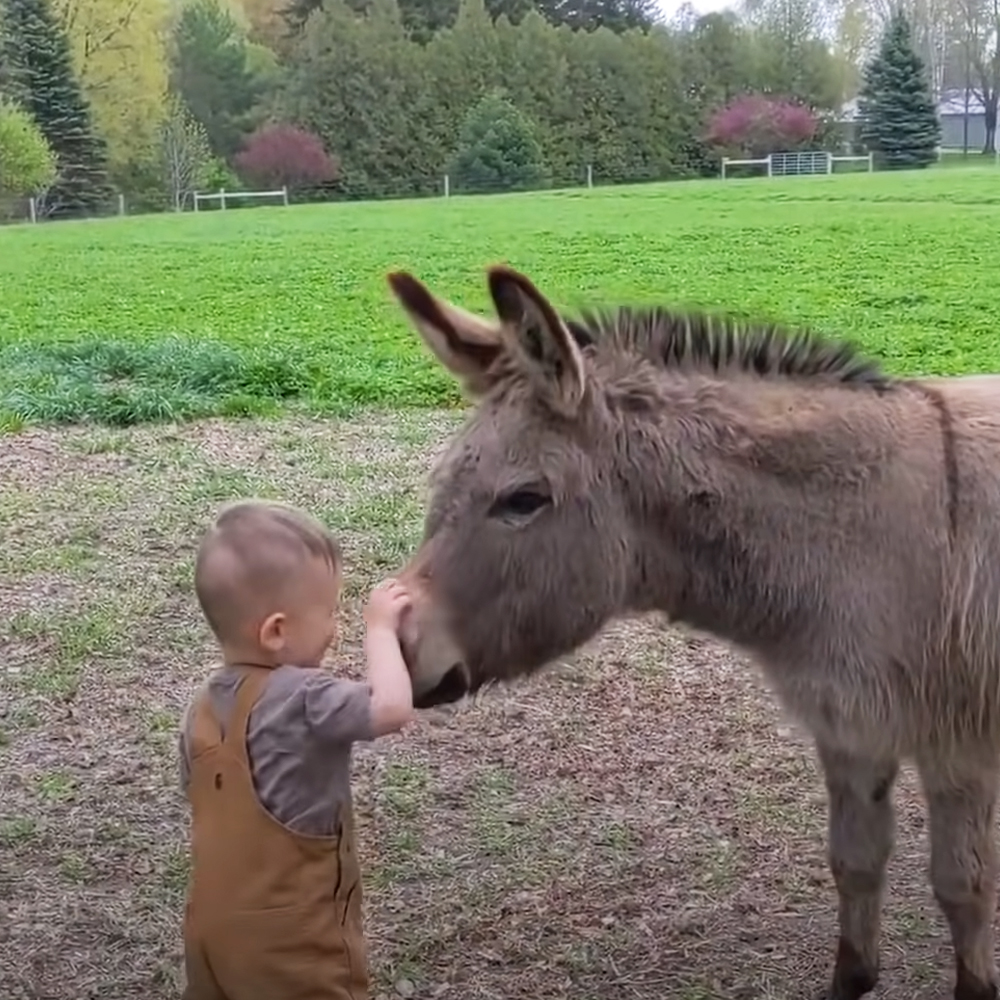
(27, 163)
(632, 105)
(895, 107)
(219, 176)
(288, 306)
(38, 74)
(588, 15)
(217, 72)
(497, 149)
(360, 84)
(423, 19)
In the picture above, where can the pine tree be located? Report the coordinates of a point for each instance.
(498, 149)
(898, 120)
(38, 73)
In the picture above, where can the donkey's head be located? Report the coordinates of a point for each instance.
(526, 549)
(641, 459)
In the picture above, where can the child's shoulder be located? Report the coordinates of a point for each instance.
(290, 677)
(333, 707)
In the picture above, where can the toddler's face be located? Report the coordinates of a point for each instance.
(312, 626)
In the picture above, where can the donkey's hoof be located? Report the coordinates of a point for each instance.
(976, 991)
(968, 989)
(854, 989)
(852, 976)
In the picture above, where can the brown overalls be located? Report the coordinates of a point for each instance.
(271, 914)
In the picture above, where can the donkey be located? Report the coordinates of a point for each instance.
(769, 487)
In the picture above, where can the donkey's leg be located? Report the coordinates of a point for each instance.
(961, 801)
(861, 833)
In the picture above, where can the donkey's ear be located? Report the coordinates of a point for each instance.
(540, 336)
(465, 344)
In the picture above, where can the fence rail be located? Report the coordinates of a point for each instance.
(797, 163)
(968, 152)
(222, 194)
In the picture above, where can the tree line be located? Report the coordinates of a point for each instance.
(375, 98)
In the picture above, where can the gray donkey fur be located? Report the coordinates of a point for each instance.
(771, 488)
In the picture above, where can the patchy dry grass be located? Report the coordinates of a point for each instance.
(636, 824)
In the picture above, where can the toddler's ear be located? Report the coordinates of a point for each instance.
(271, 635)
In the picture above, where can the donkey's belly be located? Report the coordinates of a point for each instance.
(879, 714)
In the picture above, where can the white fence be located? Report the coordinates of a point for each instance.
(33, 207)
(972, 153)
(222, 194)
(798, 164)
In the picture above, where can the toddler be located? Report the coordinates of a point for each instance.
(274, 898)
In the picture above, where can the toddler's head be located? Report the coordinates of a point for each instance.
(268, 579)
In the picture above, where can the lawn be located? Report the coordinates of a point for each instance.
(251, 310)
(637, 823)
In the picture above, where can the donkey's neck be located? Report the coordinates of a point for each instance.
(743, 493)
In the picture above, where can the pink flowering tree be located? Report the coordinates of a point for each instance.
(279, 154)
(754, 125)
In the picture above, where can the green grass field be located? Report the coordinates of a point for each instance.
(124, 320)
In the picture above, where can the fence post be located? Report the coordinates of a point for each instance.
(222, 199)
(284, 194)
(829, 162)
(724, 161)
(447, 186)
(871, 161)
(121, 203)
(32, 209)
(769, 172)
(590, 175)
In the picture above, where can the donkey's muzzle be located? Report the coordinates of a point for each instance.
(452, 686)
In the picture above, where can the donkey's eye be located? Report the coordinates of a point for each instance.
(519, 503)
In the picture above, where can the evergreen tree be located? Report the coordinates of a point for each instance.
(211, 70)
(898, 120)
(38, 74)
(498, 149)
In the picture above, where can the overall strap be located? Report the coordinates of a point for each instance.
(251, 683)
(203, 727)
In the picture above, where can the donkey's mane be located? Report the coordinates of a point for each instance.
(727, 344)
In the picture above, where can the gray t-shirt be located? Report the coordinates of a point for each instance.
(299, 739)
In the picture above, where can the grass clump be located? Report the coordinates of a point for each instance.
(122, 383)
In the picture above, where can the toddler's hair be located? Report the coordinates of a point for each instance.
(250, 559)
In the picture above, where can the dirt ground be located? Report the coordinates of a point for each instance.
(636, 824)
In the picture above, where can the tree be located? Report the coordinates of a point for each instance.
(589, 15)
(281, 154)
(895, 109)
(422, 19)
(756, 125)
(978, 29)
(184, 152)
(39, 75)
(27, 163)
(212, 72)
(121, 60)
(498, 149)
(372, 96)
(296, 13)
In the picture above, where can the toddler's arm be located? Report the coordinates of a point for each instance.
(388, 678)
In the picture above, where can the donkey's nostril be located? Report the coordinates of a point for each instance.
(452, 686)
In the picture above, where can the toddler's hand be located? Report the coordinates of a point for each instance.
(386, 605)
